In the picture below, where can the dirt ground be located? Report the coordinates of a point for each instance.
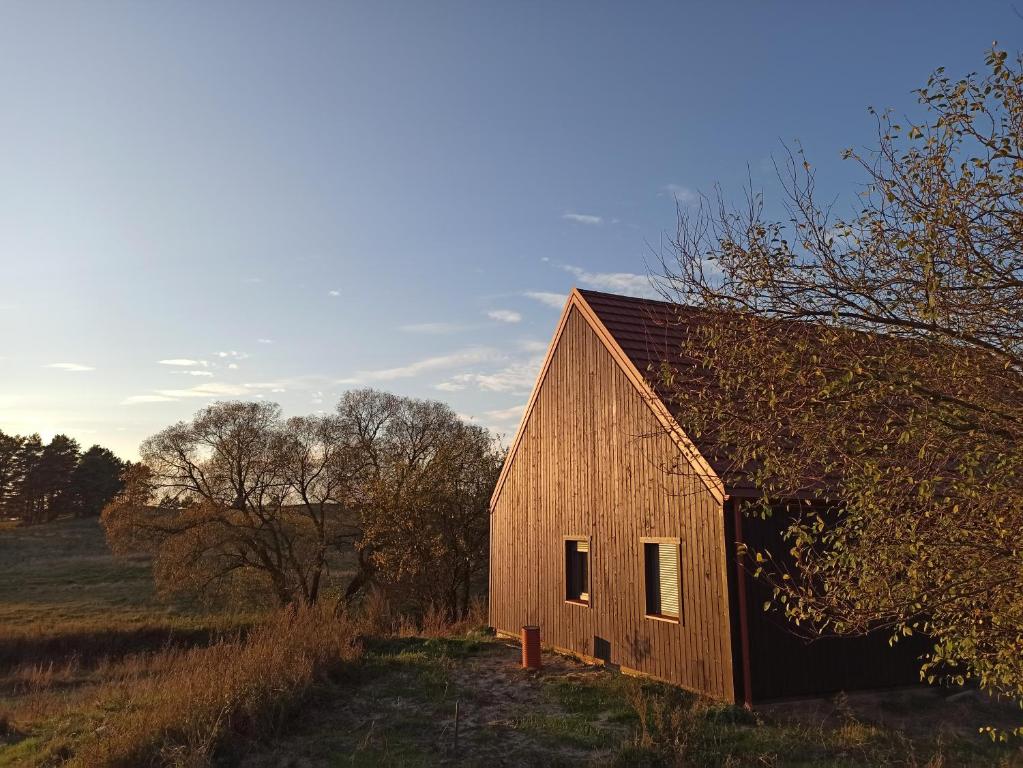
(401, 711)
(404, 714)
(503, 691)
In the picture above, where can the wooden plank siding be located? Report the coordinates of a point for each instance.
(589, 460)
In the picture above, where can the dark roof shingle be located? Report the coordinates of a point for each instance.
(652, 333)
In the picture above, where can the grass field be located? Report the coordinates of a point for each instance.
(63, 595)
(96, 671)
(64, 572)
(77, 625)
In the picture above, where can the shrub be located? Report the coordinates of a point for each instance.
(666, 722)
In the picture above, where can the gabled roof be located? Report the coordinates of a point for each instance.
(639, 334)
(642, 335)
(646, 330)
(652, 333)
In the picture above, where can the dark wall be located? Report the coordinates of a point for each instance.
(784, 664)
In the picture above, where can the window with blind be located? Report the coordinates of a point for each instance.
(663, 585)
(577, 570)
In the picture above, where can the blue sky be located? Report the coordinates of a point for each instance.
(217, 200)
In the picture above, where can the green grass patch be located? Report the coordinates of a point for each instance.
(426, 647)
(572, 730)
(599, 697)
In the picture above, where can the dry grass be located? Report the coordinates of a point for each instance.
(95, 670)
(92, 641)
(377, 618)
(180, 706)
(667, 724)
(675, 728)
(64, 596)
(203, 698)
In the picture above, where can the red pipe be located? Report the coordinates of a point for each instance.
(531, 647)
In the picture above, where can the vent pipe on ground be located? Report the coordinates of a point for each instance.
(531, 647)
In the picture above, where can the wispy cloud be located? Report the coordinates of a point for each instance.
(70, 367)
(273, 386)
(500, 421)
(139, 399)
(551, 299)
(212, 389)
(506, 414)
(431, 328)
(220, 389)
(333, 293)
(208, 390)
(184, 362)
(615, 282)
(232, 354)
(516, 376)
(504, 315)
(533, 345)
(440, 362)
(265, 341)
(194, 373)
(682, 194)
(582, 218)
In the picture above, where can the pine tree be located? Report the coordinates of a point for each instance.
(27, 499)
(95, 481)
(10, 472)
(48, 482)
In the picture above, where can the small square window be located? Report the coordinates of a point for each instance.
(577, 570)
(663, 585)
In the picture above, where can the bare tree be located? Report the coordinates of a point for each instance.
(245, 502)
(426, 520)
(238, 499)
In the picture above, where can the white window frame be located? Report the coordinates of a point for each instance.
(677, 543)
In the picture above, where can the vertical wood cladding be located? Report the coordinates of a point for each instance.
(592, 462)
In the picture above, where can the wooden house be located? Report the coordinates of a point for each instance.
(622, 562)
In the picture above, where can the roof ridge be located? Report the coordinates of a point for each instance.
(627, 297)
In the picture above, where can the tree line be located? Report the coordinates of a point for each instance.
(41, 482)
(385, 491)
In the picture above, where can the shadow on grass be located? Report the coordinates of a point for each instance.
(104, 643)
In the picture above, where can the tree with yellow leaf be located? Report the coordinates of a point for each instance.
(874, 367)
